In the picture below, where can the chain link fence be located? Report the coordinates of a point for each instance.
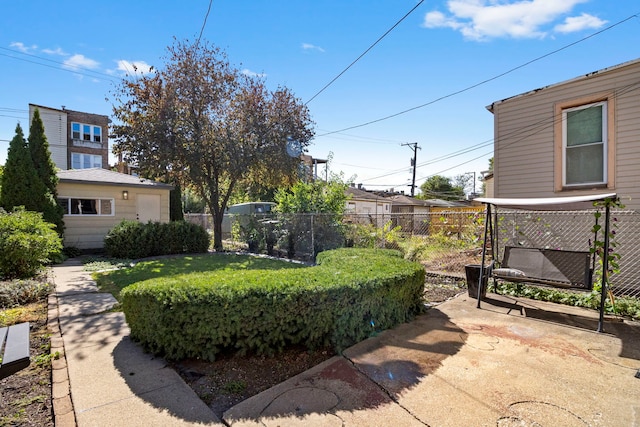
(443, 241)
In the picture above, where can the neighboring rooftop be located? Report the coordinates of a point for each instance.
(582, 77)
(107, 177)
(359, 194)
(402, 199)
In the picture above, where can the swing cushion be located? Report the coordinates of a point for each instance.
(509, 272)
(560, 268)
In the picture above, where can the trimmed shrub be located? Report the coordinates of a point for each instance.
(350, 295)
(21, 292)
(132, 239)
(27, 243)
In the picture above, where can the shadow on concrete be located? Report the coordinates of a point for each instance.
(398, 358)
(91, 334)
(371, 374)
(628, 332)
(152, 380)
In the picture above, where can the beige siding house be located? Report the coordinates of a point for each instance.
(95, 200)
(367, 207)
(577, 137)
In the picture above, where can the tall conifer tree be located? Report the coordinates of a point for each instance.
(20, 183)
(46, 170)
(40, 154)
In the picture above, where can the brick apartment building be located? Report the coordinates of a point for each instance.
(77, 140)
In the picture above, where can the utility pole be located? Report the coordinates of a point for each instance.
(413, 165)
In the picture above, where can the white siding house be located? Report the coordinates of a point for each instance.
(55, 129)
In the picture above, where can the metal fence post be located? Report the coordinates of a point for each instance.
(313, 246)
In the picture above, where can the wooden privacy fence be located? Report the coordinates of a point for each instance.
(455, 221)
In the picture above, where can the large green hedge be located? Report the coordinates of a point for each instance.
(350, 295)
(133, 239)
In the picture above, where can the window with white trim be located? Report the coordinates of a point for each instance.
(85, 132)
(584, 145)
(85, 161)
(86, 207)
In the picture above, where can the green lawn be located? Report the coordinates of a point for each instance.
(116, 280)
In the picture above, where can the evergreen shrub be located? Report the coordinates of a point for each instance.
(27, 243)
(15, 293)
(132, 239)
(349, 295)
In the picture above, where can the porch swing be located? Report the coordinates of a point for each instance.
(549, 267)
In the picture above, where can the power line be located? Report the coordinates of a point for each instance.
(364, 53)
(205, 22)
(540, 125)
(525, 132)
(371, 140)
(483, 81)
(65, 67)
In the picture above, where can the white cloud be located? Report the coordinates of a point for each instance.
(579, 23)
(56, 51)
(248, 72)
(80, 61)
(134, 67)
(22, 47)
(309, 46)
(486, 19)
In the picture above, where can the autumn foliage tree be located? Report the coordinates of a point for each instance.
(214, 129)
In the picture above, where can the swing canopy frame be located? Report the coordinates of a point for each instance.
(571, 203)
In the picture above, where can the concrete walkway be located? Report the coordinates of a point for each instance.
(113, 382)
(515, 362)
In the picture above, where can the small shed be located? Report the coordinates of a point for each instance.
(95, 200)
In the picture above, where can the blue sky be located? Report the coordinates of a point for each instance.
(72, 53)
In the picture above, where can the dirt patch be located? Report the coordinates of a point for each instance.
(26, 395)
(232, 378)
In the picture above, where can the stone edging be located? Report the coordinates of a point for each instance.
(63, 413)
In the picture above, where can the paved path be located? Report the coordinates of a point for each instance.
(113, 382)
(515, 362)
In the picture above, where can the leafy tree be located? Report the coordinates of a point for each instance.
(318, 197)
(440, 187)
(312, 197)
(46, 169)
(192, 202)
(20, 183)
(207, 125)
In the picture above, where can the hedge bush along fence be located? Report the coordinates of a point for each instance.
(132, 239)
(348, 296)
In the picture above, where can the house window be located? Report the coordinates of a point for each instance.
(85, 161)
(585, 144)
(86, 132)
(75, 130)
(86, 207)
(584, 137)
